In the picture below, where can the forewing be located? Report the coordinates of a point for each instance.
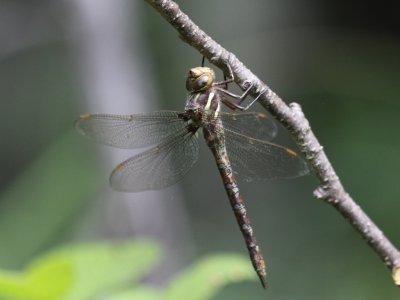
(254, 124)
(158, 167)
(130, 131)
(259, 160)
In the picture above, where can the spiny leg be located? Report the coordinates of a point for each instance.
(238, 106)
(241, 98)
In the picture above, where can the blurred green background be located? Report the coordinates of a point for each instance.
(339, 60)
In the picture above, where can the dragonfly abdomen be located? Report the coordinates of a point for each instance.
(217, 146)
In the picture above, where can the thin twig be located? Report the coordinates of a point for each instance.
(292, 118)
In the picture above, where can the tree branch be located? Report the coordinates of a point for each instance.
(292, 118)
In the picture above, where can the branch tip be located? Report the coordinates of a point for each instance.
(396, 275)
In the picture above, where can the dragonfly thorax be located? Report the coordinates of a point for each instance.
(206, 102)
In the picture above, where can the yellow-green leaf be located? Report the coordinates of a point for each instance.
(207, 276)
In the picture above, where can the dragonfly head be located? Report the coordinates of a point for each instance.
(199, 79)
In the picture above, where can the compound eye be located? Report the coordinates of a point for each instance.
(202, 81)
(199, 79)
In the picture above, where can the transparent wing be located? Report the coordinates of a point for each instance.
(130, 131)
(256, 159)
(158, 167)
(253, 124)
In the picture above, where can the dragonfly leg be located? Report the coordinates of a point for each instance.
(225, 82)
(241, 98)
(252, 102)
(238, 106)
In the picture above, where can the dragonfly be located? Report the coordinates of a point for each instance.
(240, 143)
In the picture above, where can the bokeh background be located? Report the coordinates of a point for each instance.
(339, 60)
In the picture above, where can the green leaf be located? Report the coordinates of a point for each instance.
(45, 281)
(103, 266)
(49, 280)
(142, 293)
(80, 271)
(207, 276)
(12, 284)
